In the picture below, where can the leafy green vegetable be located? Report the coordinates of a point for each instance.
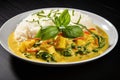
(45, 56)
(83, 50)
(28, 55)
(37, 44)
(64, 18)
(61, 23)
(49, 32)
(101, 40)
(73, 31)
(57, 21)
(67, 52)
(96, 50)
(38, 35)
(101, 43)
(73, 46)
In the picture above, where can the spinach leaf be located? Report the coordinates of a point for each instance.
(67, 52)
(73, 31)
(28, 55)
(45, 56)
(49, 32)
(83, 50)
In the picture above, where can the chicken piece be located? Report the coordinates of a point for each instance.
(51, 50)
(22, 47)
(29, 43)
(80, 42)
(26, 44)
(61, 42)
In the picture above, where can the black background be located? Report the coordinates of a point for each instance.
(105, 68)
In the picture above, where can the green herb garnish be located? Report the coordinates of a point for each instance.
(49, 32)
(72, 31)
(61, 25)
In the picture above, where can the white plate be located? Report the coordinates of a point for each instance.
(10, 25)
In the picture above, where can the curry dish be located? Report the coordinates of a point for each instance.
(61, 49)
(68, 43)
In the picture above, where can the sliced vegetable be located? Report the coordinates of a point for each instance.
(32, 50)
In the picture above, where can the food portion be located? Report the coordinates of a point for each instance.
(58, 36)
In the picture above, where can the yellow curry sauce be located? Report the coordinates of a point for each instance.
(80, 48)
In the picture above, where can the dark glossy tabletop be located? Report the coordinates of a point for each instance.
(107, 67)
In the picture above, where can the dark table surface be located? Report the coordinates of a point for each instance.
(104, 68)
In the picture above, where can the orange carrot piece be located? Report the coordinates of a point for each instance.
(82, 38)
(86, 32)
(32, 50)
(92, 29)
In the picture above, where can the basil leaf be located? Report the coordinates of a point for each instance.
(64, 18)
(57, 21)
(72, 31)
(49, 32)
(38, 35)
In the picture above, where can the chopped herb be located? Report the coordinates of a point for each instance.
(33, 21)
(79, 19)
(28, 55)
(38, 13)
(41, 15)
(50, 13)
(73, 46)
(37, 44)
(73, 12)
(95, 50)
